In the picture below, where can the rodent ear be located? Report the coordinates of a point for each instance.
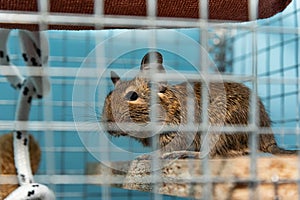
(114, 77)
(152, 59)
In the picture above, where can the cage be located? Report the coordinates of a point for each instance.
(81, 160)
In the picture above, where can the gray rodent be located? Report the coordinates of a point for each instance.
(228, 104)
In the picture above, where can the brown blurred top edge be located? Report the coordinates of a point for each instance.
(229, 10)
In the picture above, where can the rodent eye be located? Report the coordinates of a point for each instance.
(131, 96)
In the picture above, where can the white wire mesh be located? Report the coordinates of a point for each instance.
(262, 54)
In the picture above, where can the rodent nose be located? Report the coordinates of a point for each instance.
(162, 88)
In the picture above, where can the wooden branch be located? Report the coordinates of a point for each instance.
(275, 178)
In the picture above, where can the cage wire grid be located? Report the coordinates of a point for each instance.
(262, 54)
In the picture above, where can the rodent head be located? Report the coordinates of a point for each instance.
(130, 101)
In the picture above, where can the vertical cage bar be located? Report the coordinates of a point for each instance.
(204, 70)
(155, 176)
(98, 13)
(253, 118)
(43, 8)
(100, 65)
(297, 62)
(253, 9)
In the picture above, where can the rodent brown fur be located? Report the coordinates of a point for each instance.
(7, 162)
(228, 104)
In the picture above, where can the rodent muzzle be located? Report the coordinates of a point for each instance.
(155, 124)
